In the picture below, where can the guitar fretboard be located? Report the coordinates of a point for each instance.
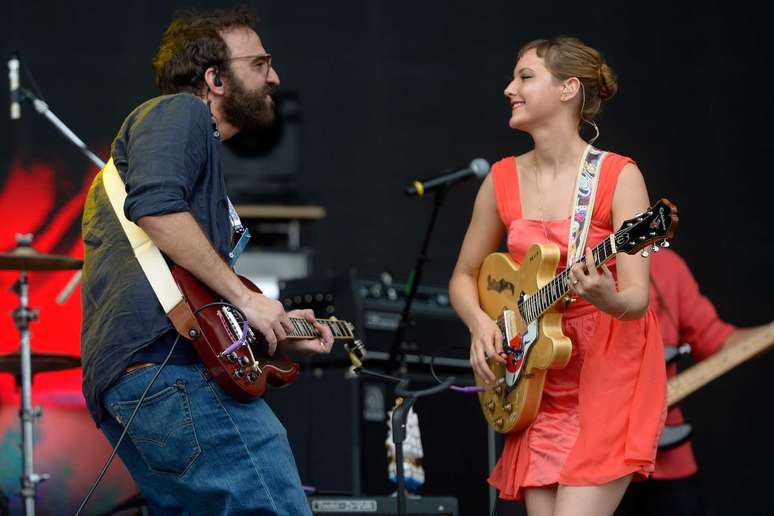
(303, 329)
(536, 305)
(699, 375)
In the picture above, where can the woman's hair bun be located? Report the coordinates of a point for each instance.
(607, 82)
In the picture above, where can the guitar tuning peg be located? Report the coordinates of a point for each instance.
(644, 253)
(665, 243)
(655, 248)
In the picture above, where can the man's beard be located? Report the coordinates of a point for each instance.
(247, 110)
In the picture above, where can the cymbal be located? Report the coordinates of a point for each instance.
(11, 363)
(28, 259)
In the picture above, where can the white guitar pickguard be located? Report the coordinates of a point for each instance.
(513, 373)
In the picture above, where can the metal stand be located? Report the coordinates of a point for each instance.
(42, 108)
(22, 316)
(397, 348)
(399, 417)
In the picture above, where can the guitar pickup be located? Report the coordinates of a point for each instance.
(233, 323)
(511, 331)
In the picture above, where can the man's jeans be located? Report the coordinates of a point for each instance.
(194, 450)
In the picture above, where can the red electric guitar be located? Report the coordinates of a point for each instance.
(244, 369)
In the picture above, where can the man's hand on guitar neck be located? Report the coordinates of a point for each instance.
(311, 346)
(268, 317)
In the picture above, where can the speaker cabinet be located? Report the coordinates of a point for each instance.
(336, 423)
(337, 428)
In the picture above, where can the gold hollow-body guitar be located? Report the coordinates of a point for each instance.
(527, 301)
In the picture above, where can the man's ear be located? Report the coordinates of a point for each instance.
(213, 80)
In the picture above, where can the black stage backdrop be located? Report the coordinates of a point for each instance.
(394, 90)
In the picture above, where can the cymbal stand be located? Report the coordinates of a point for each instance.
(22, 316)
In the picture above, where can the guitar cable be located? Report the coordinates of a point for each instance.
(126, 429)
(456, 388)
(139, 403)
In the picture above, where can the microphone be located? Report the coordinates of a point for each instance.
(13, 77)
(478, 167)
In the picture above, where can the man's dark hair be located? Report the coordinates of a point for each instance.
(192, 43)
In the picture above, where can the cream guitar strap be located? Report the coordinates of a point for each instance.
(585, 193)
(148, 255)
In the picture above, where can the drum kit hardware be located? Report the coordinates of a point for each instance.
(24, 364)
(25, 259)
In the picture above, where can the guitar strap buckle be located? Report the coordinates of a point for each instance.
(239, 248)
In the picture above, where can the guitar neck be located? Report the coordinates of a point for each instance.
(303, 329)
(556, 289)
(657, 223)
(700, 374)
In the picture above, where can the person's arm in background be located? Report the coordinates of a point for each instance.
(742, 334)
(698, 321)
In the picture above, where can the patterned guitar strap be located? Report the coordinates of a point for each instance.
(585, 193)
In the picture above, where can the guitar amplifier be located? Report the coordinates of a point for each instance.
(336, 423)
(385, 505)
(374, 306)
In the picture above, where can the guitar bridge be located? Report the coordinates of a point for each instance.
(233, 322)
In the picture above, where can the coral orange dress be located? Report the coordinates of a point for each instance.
(601, 416)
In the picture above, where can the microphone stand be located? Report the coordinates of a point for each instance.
(398, 341)
(399, 418)
(42, 108)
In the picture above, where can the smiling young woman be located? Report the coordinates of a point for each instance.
(600, 416)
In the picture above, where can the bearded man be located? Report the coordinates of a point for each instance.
(191, 448)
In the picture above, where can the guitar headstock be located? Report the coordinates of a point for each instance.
(654, 228)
